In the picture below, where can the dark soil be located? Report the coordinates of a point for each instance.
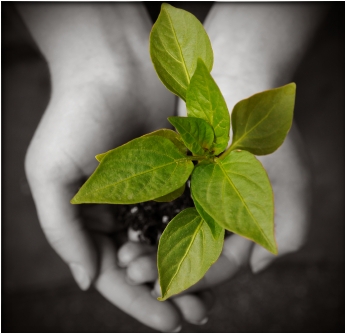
(151, 217)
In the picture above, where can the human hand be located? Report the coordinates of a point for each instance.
(98, 102)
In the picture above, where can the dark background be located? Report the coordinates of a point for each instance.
(301, 292)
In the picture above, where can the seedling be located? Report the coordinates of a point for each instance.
(229, 186)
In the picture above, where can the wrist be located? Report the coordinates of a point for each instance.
(258, 46)
(83, 42)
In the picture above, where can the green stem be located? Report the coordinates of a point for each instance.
(226, 152)
(197, 157)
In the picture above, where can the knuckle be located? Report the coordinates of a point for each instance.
(37, 169)
(134, 272)
(53, 235)
(125, 253)
(140, 269)
(59, 236)
(30, 164)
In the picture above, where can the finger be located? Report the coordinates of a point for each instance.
(290, 182)
(134, 235)
(208, 297)
(192, 308)
(143, 269)
(290, 238)
(137, 301)
(235, 254)
(63, 227)
(131, 251)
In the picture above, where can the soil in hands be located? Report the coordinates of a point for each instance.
(150, 218)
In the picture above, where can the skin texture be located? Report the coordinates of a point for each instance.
(105, 92)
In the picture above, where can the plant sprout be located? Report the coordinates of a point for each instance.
(229, 186)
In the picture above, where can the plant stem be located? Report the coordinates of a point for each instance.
(197, 157)
(227, 151)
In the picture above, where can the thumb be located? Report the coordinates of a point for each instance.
(260, 259)
(64, 230)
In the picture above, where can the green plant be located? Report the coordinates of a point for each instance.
(229, 186)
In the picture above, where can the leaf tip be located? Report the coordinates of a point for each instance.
(75, 201)
(165, 5)
(274, 250)
(171, 120)
(161, 299)
(291, 88)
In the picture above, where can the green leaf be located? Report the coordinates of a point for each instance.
(177, 40)
(171, 196)
(100, 156)
(235, 192)
(186, 251)
(172, 135)
(141, 170)
(196, 133)
(166, 133)
(214, 227)
(205, 100)
(261, 122)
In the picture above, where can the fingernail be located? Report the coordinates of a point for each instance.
(134, 235)
(80, 276)
(203, 321)
(261, 265)
(178, 329)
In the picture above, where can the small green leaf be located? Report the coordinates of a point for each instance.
(205, 100)
(196, 133)
(169, 134)
(177, 40)
(261, 122)
(236, 193)
(166, 133)
(186, 251)
(141, 170)
(214, 227)
(171, 196)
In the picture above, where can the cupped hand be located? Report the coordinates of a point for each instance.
(93, 112)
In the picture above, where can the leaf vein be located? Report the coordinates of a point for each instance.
(243, 201)
(186, 253)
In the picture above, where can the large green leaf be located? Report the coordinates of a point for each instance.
(171, 196)
(235, 192)
(186, 251)
(261, 122)
(196, 133)
(177, 40)
(205, 100)
(166, 133)
(141, 170)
